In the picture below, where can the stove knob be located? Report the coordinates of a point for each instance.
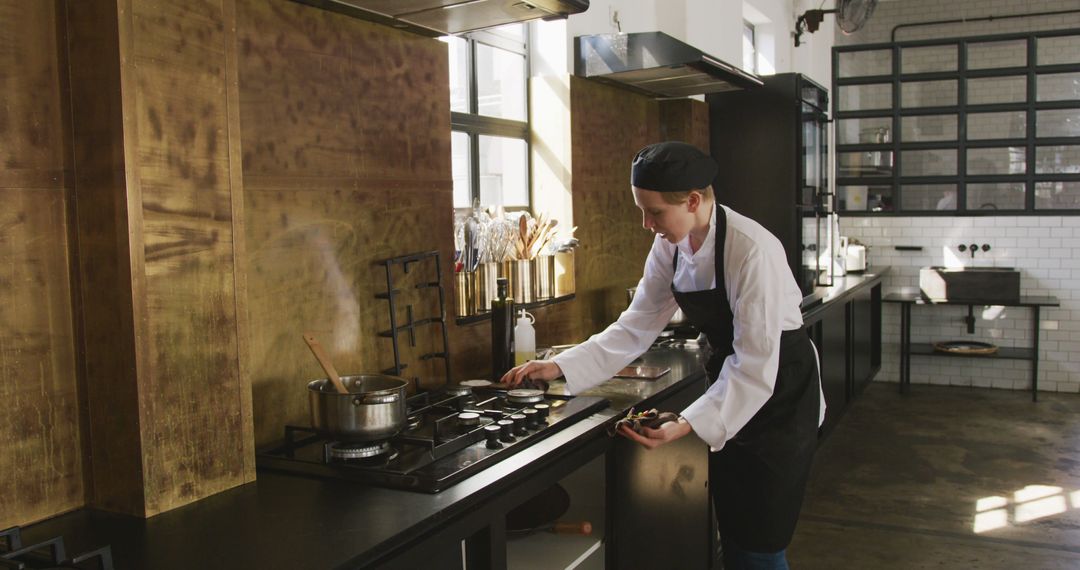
(532, 418)
(491, 432)
(506, 431)
(519, 424)
(543, 410)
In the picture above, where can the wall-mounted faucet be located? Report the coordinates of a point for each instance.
(973, 248)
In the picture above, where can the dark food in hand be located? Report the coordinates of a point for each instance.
(651, 419)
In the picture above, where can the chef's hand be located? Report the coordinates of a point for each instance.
(532, 370)
(653, 438)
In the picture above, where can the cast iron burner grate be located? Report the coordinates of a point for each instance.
(49, 554)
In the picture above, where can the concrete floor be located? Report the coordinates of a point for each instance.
(946, 477)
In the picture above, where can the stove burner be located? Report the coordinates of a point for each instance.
(338, 450)
(476, 383)
(525, 396)
(469, 418)
(457, 390)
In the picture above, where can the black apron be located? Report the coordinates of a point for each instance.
(757, 480)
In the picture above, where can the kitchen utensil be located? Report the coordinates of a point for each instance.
(372, 409)
(525, 396)
(324, 361)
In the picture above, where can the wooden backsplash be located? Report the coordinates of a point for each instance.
(260, 161)
(41, 457)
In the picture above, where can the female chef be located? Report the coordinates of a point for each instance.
(762, 409)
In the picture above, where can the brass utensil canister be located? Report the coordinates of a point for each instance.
(543, 277)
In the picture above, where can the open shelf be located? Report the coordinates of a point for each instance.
(549, 551)
(470, 319)
(1003, 353)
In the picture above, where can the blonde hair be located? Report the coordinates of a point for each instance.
(682, 197)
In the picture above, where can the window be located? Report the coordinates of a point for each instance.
(489, 117)
(749, 48)
(960, 126)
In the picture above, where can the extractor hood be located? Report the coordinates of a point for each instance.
(656, 64)
(441, 17)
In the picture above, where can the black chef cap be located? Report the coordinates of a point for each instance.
(672, 166)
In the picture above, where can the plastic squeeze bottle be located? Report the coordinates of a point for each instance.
(524, 339)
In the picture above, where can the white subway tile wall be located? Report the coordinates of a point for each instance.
(1041, 247)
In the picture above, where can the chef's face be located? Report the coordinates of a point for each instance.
(670, 221)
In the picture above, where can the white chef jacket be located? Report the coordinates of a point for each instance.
(764, 299)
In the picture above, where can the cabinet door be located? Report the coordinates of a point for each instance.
(862, 341)
(659, 506)
(831, 340)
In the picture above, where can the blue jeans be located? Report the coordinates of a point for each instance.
(736, 558)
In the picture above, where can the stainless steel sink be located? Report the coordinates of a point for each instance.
(976, 285)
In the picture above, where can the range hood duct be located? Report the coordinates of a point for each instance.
(656, 64)
(435, 18)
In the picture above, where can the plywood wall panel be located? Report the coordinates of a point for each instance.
(41, 467)
(346, 158)
(194, 438)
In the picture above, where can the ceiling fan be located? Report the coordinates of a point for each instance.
(850, 16)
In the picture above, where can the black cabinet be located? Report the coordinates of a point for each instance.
(772, 148)
(847, 333)
(659, 507)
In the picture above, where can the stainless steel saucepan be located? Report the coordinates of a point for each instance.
(372, 410)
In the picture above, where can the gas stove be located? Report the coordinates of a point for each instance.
(48, 555)
(450, 435)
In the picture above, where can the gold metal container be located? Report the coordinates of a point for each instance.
(564, 273)
(543, 277)
(521, 281)
(487, 289)
(465, 293)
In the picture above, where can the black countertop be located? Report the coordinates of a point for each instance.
(289, 521)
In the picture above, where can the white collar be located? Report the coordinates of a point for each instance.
(707, 245)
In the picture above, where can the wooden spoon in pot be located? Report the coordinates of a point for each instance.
(324, 361)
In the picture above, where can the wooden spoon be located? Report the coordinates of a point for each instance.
(324, 361)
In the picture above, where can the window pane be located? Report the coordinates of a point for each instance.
(997, 196)
(1057, 195)
(1057, 123)
(459, 73)
(500, 78)
(865, 131)
(1063, 159)
(863, 63)
(460, 165)
(1007, 125)
(937, 162)
(514, 32)
(863, 198)
(989, 55)
(1064, 49)
(928, 197)
(927, 59)
(929, 128)
(748, 48)
(928, 93)
(996, 90)
(862, 97)
(1005, 160)
(860, 164)
(1058, 86)
(503, 172)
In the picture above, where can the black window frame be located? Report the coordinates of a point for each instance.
(1030, 106)
(473, 124)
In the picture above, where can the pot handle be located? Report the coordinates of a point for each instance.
(369, 399)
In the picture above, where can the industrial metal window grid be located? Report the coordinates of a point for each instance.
(1031, 142)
